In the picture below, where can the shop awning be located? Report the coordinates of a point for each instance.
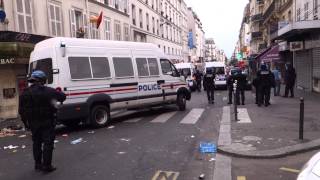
(271, 55)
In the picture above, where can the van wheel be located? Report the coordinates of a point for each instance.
(181, 101)
(100, 116)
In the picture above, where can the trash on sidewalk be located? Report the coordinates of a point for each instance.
(212, 159)
(77, 141)
(127, 140)
(10, 147)
(23, 146)
(22, 136)
(121, 152)
(56, 141)
(110, 127)
(91, 132)
(5, 132)
(207, 147)
(192, 136)
(14, 151)
(64, 135)
(202, 176)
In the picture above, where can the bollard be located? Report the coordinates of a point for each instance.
(235, 100)
(301, 118)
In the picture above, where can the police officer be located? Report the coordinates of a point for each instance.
(198, 76)
(241, 86)
(266, 81)
(37, 108)
(230, 81)
(208, 84)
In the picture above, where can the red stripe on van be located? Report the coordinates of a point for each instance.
(102, 91)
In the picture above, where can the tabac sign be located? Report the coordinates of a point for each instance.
(7, 61)
(296, 46)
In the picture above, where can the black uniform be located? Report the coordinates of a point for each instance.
(266, 81)
(208, 84)
(230, 81)
(290, 79)
(241, 87)
(198, 76)
(37, 111)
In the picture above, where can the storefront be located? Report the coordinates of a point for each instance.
(15, 49)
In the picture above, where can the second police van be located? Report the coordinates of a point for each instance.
(100, 76)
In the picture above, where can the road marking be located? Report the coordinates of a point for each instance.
(224, 98)
(166, 175)
(243, 116)
(193, 116)
(225, 128)
(222, 169)
(241, 178)
(164, 117)
(135, 120)
(290, 170)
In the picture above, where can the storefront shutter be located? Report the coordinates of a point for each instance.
(316, 63)
(303, 64)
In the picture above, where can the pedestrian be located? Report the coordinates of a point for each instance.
(208, 84)
(37, 108)
(230, 80)
(198, 77)
(277, 79)
(241, 86)
(266, 81)
(290, 79)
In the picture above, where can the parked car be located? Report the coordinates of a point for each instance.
(311, 170)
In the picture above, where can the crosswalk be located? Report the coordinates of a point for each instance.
(191, 117)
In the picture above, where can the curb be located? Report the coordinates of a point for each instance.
(273, 153)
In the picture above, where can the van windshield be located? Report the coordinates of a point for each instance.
(185, 72)
(44, 65)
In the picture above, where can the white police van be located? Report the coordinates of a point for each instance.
(187, 70)
(100, 76)
(219, 68)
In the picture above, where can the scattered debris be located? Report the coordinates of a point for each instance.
(127, 140)
(192, 136)
(207, 147)
(23, 146)
(5, 132)
(56, 141)
(10, 147)
(77, 141)
(64, 135)
(22, 136)
(14, 151)
(15, 127)
(121, 152)
(212, 159)
(201, 176)
(110, 127)
(91, 132)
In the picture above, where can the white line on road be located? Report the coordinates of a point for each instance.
(164, 117)
(193, 116)
(135, 120)
(243, 116)
(225, 128)
(222, 169)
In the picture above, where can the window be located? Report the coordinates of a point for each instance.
(140, 18)
(111, 3)
(133, 8)
(79, 67)
(123, 67)
(44, 65)
(116, 4)
(153, 66)
(100, 67)
(117, 30)
(24, 16)
(306, 11)
(153, 26)
(168, 68)
(158, 27)
(78, 23)
(125, 6)
(147, 19)
(298, 14)
(142, 66)
(126, 32)
(55, 20)
(95, 33)
(108, 28)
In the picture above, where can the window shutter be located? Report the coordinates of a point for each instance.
(72, 23)
(85, 26)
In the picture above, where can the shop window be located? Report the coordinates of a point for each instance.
(123, 67)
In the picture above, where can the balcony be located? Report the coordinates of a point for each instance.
(268, 13)
(257, 17)
(256, 35)
(284, 6)
(260, 2)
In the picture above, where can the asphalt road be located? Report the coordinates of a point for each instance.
(154, 144)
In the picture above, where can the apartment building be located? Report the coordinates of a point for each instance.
(158, 22)
(30, 21)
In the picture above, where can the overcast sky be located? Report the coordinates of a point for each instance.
(221, 20)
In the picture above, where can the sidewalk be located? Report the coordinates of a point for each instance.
(274, 130)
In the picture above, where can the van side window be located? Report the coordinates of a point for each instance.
(123, 67)
(142, 66)
(79, 67)
(153, 67)
(168, 68)
(100, 67)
